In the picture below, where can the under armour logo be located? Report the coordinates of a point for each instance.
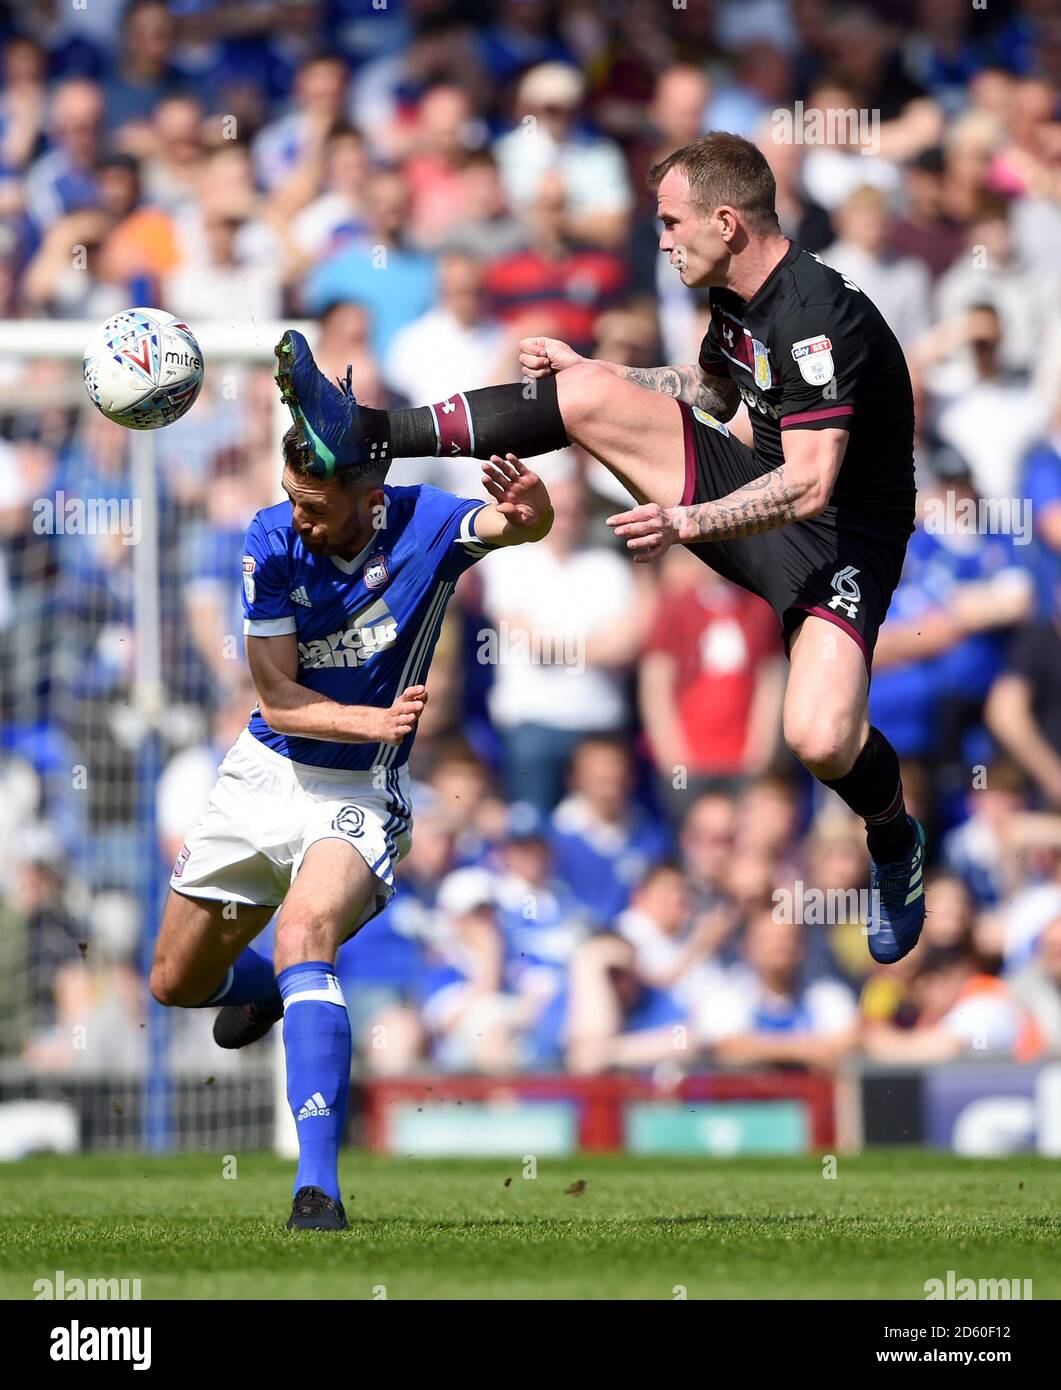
(448, 407)
(846, 588)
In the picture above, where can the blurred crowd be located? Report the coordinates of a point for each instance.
(614, 855)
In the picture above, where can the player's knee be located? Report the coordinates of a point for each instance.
(821, 745)
(167, 987)
(304, 934)
(581, 393)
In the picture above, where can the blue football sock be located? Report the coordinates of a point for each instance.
(249, 981)
(318, 1047)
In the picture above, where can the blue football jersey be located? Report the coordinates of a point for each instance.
(366, 627)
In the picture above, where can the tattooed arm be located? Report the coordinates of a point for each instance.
(798, 489)
(718, 395)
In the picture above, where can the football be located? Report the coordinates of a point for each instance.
(143, 369)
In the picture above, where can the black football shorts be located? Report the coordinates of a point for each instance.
(829, 565)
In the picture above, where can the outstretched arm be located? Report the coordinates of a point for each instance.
(798, 489)
(521, 510)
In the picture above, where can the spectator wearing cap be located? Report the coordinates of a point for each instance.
(603, 842)
(381, 270)
(471, 1016)
(547, 139)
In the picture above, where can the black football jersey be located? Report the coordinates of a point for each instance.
(810, 351)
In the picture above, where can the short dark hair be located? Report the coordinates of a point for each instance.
(724, 169)
(299, 456)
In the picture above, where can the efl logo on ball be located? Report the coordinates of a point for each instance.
(143, 369)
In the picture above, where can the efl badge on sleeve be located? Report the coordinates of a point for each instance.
(763, 376)
(376, 572)
(248, 577)
(814, 357)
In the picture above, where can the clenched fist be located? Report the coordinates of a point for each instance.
(544, 356)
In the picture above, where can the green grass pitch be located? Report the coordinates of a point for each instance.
(641, 1228)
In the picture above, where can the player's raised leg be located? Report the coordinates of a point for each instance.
(203, 957)
(638, 434)
(826, 724)
(330, 895)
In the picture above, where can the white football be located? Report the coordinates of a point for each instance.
(143, 368)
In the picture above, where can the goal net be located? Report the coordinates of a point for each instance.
(122, 682)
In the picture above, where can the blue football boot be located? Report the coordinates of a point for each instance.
(897, 903)
(326, 416)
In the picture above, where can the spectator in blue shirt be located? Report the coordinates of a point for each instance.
(603, 842)
(396, 283)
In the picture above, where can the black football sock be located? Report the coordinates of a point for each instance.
(472, 424)
(874, 790)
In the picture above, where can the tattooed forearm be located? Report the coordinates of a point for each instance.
(719, 397)
(762, 504)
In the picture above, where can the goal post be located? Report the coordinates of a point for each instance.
(158, 1102)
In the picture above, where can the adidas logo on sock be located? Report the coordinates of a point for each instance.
(316, 1105)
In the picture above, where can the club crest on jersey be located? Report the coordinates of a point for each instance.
(763, 376)
(248, 577)
(376, 572)
(814, 357)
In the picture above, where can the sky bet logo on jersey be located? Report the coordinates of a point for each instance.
(814, 358)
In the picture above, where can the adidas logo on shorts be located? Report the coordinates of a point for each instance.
(316, 1105)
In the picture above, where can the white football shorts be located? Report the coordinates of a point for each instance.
(266, 811)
